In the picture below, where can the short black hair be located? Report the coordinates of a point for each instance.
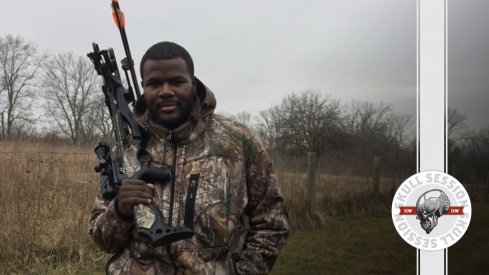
(167, 50)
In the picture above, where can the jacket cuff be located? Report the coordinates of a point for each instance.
(113, 205)
(114, 214)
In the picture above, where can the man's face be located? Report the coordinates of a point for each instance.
(168, 91)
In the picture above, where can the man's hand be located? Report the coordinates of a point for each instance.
(133, 192)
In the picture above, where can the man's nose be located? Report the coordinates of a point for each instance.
(166, 90)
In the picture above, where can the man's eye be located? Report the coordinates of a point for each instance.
(151, 83)
(177, 81)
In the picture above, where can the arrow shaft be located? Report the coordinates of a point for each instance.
(125, 43)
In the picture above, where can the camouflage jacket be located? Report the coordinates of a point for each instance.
(240, 221)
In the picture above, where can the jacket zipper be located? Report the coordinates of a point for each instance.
(170, 139)
(173, 178)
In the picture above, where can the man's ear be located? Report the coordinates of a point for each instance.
(194, 85)
(140, 106)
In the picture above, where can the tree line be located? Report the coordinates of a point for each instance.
(58, 97)
(468, 150)
(49, 95)
(345, 137)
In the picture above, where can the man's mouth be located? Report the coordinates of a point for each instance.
(168, 107)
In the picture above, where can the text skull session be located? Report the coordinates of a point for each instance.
(431, 210)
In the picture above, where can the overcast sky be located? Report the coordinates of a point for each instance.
(468, 60)
(253, 53)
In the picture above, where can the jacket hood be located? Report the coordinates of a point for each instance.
(205, 104)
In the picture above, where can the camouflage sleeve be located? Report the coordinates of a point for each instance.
(108, 228)
(268, 225)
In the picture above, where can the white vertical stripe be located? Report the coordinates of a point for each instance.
(431, 106)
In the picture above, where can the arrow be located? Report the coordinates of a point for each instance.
(118, 15)
(120, 21)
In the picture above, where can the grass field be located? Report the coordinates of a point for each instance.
(365, 246)
(360, 246)
(47, 194)
(470, 254)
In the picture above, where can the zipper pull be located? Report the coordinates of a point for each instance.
(169, 137)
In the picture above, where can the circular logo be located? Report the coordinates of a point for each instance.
(431, 210)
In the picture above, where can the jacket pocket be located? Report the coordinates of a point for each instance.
(217, 201)
(214, 226)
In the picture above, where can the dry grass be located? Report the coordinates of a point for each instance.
(46, 200)
(47, 193)
(336, 196)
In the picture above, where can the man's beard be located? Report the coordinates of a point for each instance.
(184, 116)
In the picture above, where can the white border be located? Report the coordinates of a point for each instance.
(431, 105)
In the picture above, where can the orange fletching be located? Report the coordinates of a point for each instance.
(121, 18)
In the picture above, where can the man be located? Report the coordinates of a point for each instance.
(239, 221)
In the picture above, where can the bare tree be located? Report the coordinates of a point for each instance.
(375, 130)
(345, 139)
(242, 117)
(304, 122)
(100, 121)
(312, 121)
(373, 126)
(456, 121)
(271, 126)
(71, 85)
(456, 133)
(469, 158)
(19, 64)
(476, 145)
(401, 124)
